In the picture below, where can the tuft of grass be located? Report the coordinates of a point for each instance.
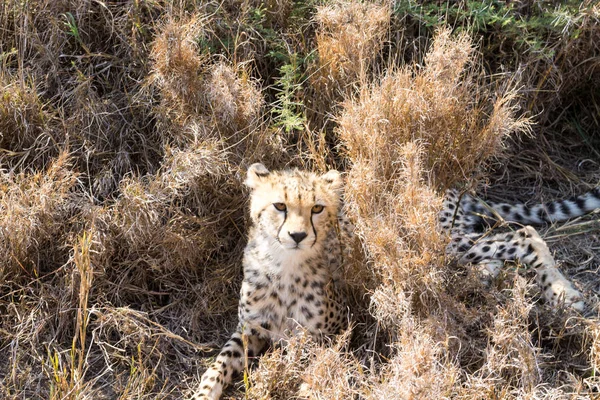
(550, 46)
(307, 370)
(28, 127)
(178, 67)
(444, 107)
(349, 37)
(420, 365)
(68, 376)
(234, 99)
(33, 209)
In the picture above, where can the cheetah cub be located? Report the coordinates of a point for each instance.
(291, 267)
(470, 222)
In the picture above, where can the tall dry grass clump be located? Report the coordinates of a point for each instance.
(33, 210)
(512, 359)
(197, 89)
(407, 135)
(396, 219)
(208, 98)
(421, 365)
(233, 97)
(593, 333)
(308, 370)
(350, 35)
(179, 68)
(28, 131)
(445, 107)
(151, 222)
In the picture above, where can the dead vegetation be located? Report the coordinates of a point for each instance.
(125, 131)
(349, 37)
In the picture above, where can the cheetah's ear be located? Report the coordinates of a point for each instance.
(256, 172)
(333, 179)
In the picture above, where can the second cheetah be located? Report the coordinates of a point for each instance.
(468, 221)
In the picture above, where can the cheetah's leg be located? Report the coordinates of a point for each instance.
(453, 218)
(229, 362)
(526, 246)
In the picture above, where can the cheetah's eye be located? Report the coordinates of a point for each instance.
(317, 208)
(280, 206)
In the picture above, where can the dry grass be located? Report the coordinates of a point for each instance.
(307, 370)
(124, 137)
(567, 71)
(34, 208)
(179, 69)
(349, 37)
(443, 107)
(27, 127)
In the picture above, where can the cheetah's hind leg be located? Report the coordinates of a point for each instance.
(527, 247)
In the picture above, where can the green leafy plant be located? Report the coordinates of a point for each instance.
(73, 30)
(288, 110)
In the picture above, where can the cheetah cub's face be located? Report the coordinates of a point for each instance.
(294, 210)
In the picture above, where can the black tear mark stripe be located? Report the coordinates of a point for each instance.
(314, 189)
(313, 228)
(281, 226)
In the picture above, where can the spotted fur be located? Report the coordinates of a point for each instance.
(291, 267)
(470, 222)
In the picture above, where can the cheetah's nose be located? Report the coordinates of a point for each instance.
(298, 236)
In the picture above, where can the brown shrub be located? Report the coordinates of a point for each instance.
(27, 126)
(512, 360)
(414, 131)
(395, 219)
(307, 370)
(349, 37)
(421, 366)
(193, 85)
(444, 107)
(233, 98)
(177, 65)
(146, 214)
(593, 335)
(33, 210)
(203, 99)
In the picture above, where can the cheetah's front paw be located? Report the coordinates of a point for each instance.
(559, 290)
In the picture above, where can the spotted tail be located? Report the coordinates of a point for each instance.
(538, 214)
